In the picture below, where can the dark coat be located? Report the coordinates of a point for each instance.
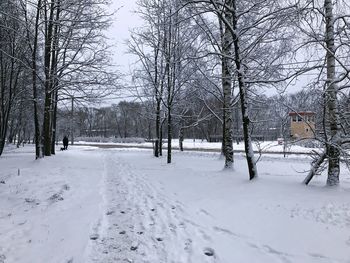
(65, 141)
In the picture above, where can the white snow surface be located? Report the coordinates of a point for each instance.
(265, 147)
(123, 205)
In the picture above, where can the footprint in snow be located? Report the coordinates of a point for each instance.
(32, 201)
(22, 223)
(188, 244)
(204, 212)
(56, 197)
(209, 252)
(134, 246)
(94, 236)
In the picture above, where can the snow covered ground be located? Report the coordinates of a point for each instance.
(123, 205)
(265, 147)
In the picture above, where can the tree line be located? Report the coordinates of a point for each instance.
(134, 119)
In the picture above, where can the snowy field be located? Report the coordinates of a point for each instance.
(264, 147)
(123, 205)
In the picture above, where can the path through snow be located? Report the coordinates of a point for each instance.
(140, 224)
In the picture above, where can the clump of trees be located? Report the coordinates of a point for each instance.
(50, 51)
(238, 49)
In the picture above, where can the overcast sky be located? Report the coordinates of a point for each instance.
(125, 19)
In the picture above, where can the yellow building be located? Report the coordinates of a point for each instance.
(302, 125)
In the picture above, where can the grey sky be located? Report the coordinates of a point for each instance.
(124, 20)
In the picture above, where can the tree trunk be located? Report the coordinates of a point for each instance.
(157, 142)
(223, 144)
(38, 141)
(252, 169)
(54, 123)
(227, 90)
(181, 139)
(3, 128)
(169, 135)
(331, 97)
(2, 146)
(19, 126)
(5, 106)
(72, 123)
(49, 41)
(54, 76)
(315, 168)
(161, 138)
(47, 125)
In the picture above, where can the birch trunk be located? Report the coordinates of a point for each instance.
(252, 169)
(54, 123)
(227, 41)
(316, 165)
(169, 136)
(331, 100)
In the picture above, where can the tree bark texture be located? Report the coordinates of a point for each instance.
(333, 147)
(227, 42)
(48, 78)
(158, 131)
(181, 139)
(37, 132)
(169, 136)
(252, 169)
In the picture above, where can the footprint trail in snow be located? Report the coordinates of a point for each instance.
(139, 224)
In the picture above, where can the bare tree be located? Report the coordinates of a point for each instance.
(256, 27)
(32, 34)
(326, 26)
(12, 71)
(148, 45)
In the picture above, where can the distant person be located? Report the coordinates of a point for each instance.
(65, 143)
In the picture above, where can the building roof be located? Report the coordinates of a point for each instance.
(302, 113)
